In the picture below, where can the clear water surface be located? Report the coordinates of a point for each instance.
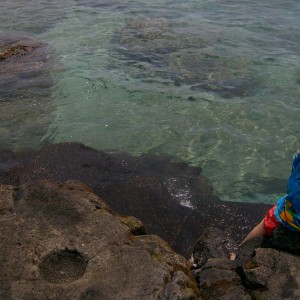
(212, 82)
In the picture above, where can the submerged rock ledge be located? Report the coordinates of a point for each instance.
(148, 188)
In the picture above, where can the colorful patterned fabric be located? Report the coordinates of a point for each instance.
(287, 209)
(270, 221)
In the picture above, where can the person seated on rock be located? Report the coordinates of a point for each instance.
(287, 209)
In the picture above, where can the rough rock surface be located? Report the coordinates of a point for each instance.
(63, 242)
(144, 187)
(272, 274)
(213, 243)
(284, 239)
(259, 272)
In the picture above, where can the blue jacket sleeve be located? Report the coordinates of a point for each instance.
(293, 186)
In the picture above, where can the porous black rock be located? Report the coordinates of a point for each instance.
(284, 239)
(213, 243)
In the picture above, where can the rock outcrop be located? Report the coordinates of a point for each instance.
(260, 271)
(63, 242)
(56, 235)
(148, 188)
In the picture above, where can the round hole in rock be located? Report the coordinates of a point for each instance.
(63, 266)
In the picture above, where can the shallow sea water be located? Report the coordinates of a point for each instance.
(215, 83)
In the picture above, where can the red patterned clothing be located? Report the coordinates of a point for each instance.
(270, 221)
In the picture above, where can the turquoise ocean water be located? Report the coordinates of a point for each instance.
(212, 82)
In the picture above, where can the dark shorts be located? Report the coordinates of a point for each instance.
(270, 221)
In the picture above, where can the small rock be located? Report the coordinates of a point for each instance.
(135, 225)
(258, 277)
(214, 283)
(221, 263)
(212, 243)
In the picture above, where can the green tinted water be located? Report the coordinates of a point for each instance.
(213, 83)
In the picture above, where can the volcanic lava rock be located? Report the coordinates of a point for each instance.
(63, 242)
(151, 189)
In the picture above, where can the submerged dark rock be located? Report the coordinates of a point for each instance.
(25, 65)
(153, 49)
(228, 89)
(26, 81)
(119, 5)
(145, 187)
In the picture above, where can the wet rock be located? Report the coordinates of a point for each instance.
(141, 37)
(153, 48)
(11, 158)
(24, 118)
(25, 66)
(61, 241)
(217, 276)
(214, 282)
(102, 4)
(272, 272)
(257, 273)
(267, 272)
(228, 89)
(16, 50)
(258, 276)
(212, 73)
(146, 188)
(218, 279)
(247, 250)
(212, 244)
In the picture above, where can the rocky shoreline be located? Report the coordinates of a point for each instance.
(144, 187)
(63, 239)
(261, 269)
(63, 242)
